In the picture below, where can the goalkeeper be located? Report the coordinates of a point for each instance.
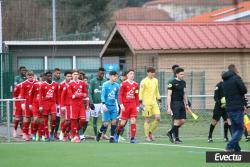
(218, 112)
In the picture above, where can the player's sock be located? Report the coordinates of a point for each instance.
(74, 126)
(146, 128)
(226, 130)
(176, 131)
(81, 123)
(57, 124)
(32, 127)
(53, 124)
(112, 130)
(245, 133)
(132, 130)
(103, 129)
(119, 129)
(211, 129)
(46, 129)
(25, 128)
(85, 127)
(16, 124)
(154, 125)
(95, 125)
(62, 126)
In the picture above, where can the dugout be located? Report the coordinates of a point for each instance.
(204, 50)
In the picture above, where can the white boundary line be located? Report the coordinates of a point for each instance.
(182, 146)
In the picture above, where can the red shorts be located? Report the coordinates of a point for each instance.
(35, 110)
(130, 111)
(27, 112)
(49, 108)
(77, 111)
(18, 112)
(66, 113)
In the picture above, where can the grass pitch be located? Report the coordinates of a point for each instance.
(192, 153)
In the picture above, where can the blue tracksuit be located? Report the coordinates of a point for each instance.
(109, 97)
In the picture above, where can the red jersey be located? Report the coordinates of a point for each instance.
(25, 90)
(77, 90)
(48, 92)
(34, 92)
(65, 97)
(129, 93)
(17, 91)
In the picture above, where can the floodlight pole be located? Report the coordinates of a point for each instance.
(54, 20)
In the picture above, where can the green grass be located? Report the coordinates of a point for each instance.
(89, 153)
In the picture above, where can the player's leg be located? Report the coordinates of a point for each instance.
(215, 118)
(105, 121)
(132, 129)
(95, 114)
(17, 113)
(53, 111)
(26, 122)
(227, 125)
(58, 120)
(113, 115)
(147, 113)
(157, 118)
(85, 125)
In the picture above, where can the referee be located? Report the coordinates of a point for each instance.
(234, 91)
(177, 104)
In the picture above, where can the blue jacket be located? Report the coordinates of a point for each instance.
(110, 92)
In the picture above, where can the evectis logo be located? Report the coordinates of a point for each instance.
(227, 157)
(233, 157)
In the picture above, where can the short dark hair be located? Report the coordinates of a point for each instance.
(48, 72)
(22, 67)
(124, 73)
(82, 73)
(178, 70)
(232, 68)
(175, 66)
(67, 72)
(42, 74)
(151, 69)
(57, 69)
(101, 69)
(113, 73)
(130, 70)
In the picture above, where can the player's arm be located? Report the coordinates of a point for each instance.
(63, 96)
(22, 91)
(157, 93)
(57, 96)
(85, 94)
(141, 91)
(169, 97)
(241, 85)
(103, 97)
(90, 92)
(185, 97)
(120, 97)
(216, 94)
(40, 98)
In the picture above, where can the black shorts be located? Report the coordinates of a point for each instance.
(178, 109)
(219, 112)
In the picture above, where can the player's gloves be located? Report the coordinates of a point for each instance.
(92, 106)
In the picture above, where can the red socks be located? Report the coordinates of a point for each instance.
(132, 130)
(119, 129)
(74, 127)
(16, 124)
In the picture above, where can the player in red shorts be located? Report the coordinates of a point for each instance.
(129, 103)
(38, 125)
(65, 106)
(17, 111)
(27, 105)
(47, 104)
(77, 90)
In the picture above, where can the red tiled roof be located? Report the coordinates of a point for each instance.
(221, 13)
(144, 14)
(194, 2)
(160, 36)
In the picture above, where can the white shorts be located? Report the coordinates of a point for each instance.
(98, 109)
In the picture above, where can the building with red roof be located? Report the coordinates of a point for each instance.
(198, 47)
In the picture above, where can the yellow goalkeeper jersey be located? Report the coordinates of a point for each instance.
(149, 91)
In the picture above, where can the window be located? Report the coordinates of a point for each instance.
(63, 63)
(88, 63)
(31, 63)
